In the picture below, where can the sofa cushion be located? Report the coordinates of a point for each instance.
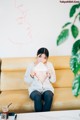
(60, 62)
(14, 80)
(64, 78)
(63, 100)
(19, 64)
(15, 64)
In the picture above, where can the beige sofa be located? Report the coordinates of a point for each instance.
(14, 89)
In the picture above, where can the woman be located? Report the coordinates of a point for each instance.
(41, 92)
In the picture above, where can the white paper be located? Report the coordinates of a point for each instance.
(40, 67)
(40, 71)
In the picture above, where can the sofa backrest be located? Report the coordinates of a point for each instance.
(13, 71)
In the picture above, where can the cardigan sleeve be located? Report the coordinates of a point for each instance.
(52, 72)
(27, 78)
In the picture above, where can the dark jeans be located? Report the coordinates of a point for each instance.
(42, 102)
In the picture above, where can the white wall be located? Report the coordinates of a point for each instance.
(27, 25)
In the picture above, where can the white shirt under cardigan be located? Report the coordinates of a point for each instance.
(35, 84)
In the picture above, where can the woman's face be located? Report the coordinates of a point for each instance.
(42, 58)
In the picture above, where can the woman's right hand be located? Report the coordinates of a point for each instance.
(32, 74)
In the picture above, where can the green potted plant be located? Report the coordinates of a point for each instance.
(75, 52)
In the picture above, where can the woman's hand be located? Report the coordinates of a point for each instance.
(32, 74)
(48, 74)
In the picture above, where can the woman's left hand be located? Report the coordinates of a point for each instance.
(48, 74)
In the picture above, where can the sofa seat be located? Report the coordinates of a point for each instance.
(63, 100)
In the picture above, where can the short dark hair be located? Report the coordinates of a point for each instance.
(43, 51)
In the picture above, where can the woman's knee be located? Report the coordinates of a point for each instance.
(35, 95)
(48, 95)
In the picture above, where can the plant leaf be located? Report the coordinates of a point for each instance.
(63, 36)
(73, 9)
(74, 31)
(76, 85)
(75, 63)
(66, 24)
(76, 47)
